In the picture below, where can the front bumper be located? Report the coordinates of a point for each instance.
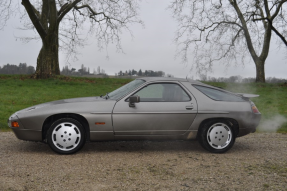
(22, 133)
(28, 135)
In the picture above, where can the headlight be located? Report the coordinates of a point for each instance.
(9, 123)
(13, 121)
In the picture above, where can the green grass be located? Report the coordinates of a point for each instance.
(19, 91)
(271, 102)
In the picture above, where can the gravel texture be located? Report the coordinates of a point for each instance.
(256, 162)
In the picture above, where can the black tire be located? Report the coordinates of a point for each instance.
(66, 136)
(216, 136)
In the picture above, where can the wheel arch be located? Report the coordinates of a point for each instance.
(49, 121)
(232, 122)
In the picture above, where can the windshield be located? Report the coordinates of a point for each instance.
(118, 93)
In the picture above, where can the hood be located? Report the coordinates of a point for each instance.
(63, 101)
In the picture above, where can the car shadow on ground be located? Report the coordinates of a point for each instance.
(142, 146)
(128, 146)
(155, 146)
(114, 146)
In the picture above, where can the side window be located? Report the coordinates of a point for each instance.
(163, 92)
(219, 95)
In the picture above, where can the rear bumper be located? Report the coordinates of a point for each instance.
(249, 125)
(246, 131)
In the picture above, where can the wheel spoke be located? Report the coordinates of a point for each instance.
(66, 136)
(219, 136)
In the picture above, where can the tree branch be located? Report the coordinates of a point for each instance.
(278, 9)
(36, 11)
(45, 14)
(52, 19)
(63, 8)
(33, 17)
(67, 9)
(262, 13)
(273, 29)
(5, 12)
(266, 7)
(94, 13)
(277, 32)
(245, 29)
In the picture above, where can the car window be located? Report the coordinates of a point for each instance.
(219, 95)
(163, 92)
(118, 93)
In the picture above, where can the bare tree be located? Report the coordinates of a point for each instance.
(59, 25)
(5, 12)
(228, 31)
(283, 34)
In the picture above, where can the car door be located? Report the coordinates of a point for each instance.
(165, 108)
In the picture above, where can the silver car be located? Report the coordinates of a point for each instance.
(146, 108)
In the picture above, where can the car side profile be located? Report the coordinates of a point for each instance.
(152, 108)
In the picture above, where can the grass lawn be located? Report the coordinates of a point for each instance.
(19, 91)
(272, 102)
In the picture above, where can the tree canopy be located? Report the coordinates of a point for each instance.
(228, 31)
(61, 25)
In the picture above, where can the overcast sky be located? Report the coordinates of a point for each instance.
(152, 48)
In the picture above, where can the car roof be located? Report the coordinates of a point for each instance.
(152, 79)
(155, 79)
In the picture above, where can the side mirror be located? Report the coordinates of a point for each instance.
(134, 99)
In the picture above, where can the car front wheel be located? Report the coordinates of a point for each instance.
(216, 136)
(66, 136)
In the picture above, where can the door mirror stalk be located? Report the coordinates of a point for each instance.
(134, 99)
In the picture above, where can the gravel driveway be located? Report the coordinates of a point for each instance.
(256, 162)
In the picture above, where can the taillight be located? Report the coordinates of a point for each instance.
(254, 109)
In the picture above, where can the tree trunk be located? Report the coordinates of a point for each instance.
(48, 58)
(260, 71)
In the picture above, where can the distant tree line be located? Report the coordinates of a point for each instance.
(141, 73)
(22, 68)
(82, 71)
(240, 79)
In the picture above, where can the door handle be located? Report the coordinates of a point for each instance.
(189, 107)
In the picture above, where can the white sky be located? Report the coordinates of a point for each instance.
(152, 48)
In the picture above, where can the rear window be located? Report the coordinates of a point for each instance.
(219, 95)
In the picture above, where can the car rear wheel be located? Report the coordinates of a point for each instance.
(217, 136)
(66, 136)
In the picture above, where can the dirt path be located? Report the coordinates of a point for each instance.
(256, 162)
